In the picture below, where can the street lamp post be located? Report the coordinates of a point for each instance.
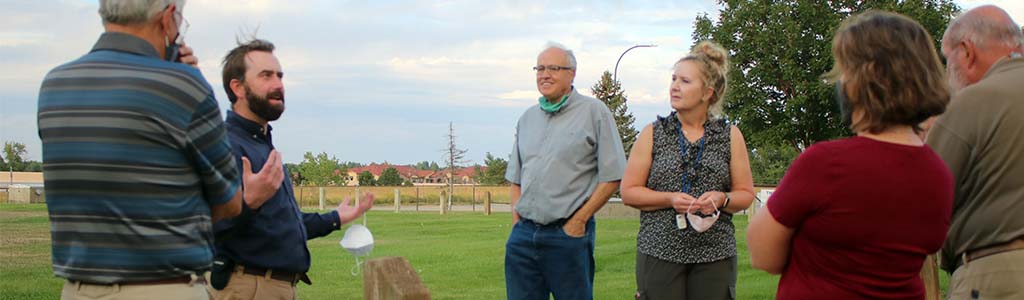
(615, 74)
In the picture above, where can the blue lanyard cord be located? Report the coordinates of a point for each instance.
(682, 156)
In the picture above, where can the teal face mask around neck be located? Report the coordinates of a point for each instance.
(551, 108)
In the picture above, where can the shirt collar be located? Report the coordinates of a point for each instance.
(246, 125)
(568, 100)
(123, 42)
(1003, 64)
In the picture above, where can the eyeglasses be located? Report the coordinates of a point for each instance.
(183, 29)
(541, 69)
(183, 25)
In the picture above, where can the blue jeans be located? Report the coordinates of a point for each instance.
(541, 260)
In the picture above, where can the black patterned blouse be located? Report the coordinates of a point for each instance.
(659, 236)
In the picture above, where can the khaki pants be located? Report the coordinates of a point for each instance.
(85, 291)
(243, 286)
(997, 276)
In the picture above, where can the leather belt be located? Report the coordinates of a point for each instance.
(969, 256)
(174, 280)
(277, 275)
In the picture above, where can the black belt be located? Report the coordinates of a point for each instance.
(175, 280)
(277, 275)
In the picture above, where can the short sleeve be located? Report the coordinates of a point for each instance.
(211, 153)
(950, 137)
(611, 158)
(800, 191)
(514, 168)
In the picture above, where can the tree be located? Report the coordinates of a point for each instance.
(366, 179)
(495, 172)
(14, 156)
(389, 177)
(321, 170)
(453, 158)
(295, 173)
(351, 164)
(779, 50)
(610, 92)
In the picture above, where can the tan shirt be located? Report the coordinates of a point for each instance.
(981, 139)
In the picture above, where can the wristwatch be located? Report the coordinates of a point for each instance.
(727, 200)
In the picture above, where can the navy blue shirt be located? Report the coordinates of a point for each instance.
(275, 236)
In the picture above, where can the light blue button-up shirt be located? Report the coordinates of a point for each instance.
(559, 158)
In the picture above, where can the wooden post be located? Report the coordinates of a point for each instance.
(442, 202)
(392, 278)
(930, 276)
(417, 198)
(398, 200)
(487, 203)
(321, 198)
(474, 197)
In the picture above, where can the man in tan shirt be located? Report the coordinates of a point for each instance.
(980, 138)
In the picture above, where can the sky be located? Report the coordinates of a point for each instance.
(380, 81)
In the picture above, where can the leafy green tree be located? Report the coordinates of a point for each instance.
(366, 179)
(351, 164)
(14, 155)
(426, 165)
(33, 166)
(495, 172)
(434, 166)
(779, 50)
(610, 92)
(322, 170)
(389, 177)
(295, 173)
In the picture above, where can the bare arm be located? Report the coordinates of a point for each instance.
(769, 242)
(515, 191)
(635, 192)
(742, 194)
(576, 226)
(227, 210)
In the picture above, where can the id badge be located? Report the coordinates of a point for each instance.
(680, 222)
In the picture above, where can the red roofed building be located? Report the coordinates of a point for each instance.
(416, 176)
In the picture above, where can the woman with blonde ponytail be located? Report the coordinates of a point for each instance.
(687, 174)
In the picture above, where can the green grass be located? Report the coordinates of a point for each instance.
(458, 256)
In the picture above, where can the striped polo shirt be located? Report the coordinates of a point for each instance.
(134, 155)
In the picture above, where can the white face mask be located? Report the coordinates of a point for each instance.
(359, 241)
(701, 224)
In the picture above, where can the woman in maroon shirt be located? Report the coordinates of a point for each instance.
(855, 218)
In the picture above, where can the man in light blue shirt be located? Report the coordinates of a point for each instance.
(566, 162)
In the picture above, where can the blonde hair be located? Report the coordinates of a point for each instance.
(713, 61)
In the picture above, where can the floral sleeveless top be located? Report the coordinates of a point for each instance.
(659, 236)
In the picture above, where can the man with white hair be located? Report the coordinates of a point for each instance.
(136, 161)
(566, 162)
(979, 138)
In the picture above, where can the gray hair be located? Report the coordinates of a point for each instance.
(568, 53)
(127, 12)
(984, 31)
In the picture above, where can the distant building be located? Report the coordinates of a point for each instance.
(416, 176)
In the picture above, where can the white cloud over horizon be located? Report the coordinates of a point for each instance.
(370, 82)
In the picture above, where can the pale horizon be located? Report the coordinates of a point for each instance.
(376, 82)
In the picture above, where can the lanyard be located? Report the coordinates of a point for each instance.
(687, 183)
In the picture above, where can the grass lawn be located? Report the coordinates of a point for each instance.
(458, 256)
